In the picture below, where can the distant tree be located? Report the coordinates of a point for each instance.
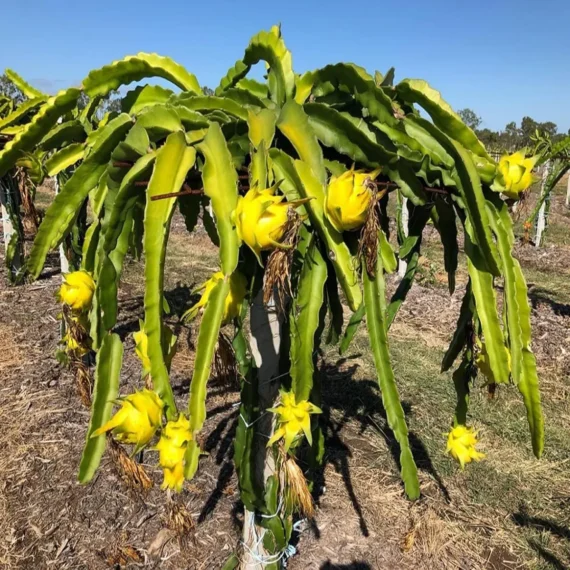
(470, 118)
(550, 128)
(208, 91)
(111, 103)
(489, 138)
(8, 89)
(528, 128)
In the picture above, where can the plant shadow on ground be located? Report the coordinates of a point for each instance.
(538, 295)
(547, 528)
(346, 401)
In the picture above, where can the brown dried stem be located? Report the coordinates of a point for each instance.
(277, 280)
(133, 474)
(368, 243)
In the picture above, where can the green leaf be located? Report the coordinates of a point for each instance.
(471, 193)
(66, 204)
(189, 207)
(334, 304)
(64, 158)
(90, 245)
(210, 103)
(294, 124)
(337, 250)
(389, 260)
(144, 96)
(518, 323)
(88, 112)
(354, 80)
(348, 135)
(255, 88)
(233, 76)
(205, 349)
(408, 183)
(173, 162)
(417, 222)
(37, 128)
(159, 121)
(261, 126)
(486, 303)
(220, 185)
(404, 286)
(63, 135)
(388, 79)
(105, 390)
(435, 150)
(443, 116)
(246, 98)
(126, 198)
(461, 379)
(21, 112)
(138, 228)
(284, 170)
(110, 274)
(376, 323)
(27, 90)
(462, 330)
(305, 321)
(445, 221)
(352, 328)
(231, 563)
(269, 46)
(136, 67)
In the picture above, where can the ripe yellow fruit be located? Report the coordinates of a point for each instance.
(137, 420)
(260, 218)
(461, 442)
(77, 290)
(234, 300)
(293, 418)
(348, 198)
(515, 173)
(172, 448)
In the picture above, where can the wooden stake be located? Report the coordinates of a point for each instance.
(265, 340)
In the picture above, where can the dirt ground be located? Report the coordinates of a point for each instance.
(510, 511)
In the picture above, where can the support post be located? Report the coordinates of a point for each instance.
(265, 341)
(9, 201)
(541, 219)
(63, 261)
(568, 192)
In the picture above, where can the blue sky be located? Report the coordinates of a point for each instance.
(503, 58)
